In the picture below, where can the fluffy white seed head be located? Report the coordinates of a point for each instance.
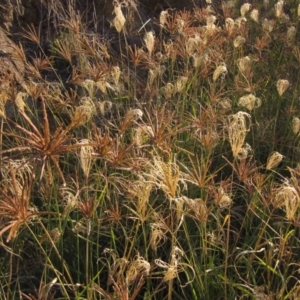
(254, 15)
(245, 8)
(279, 8)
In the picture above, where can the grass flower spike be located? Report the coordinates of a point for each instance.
(237, 128)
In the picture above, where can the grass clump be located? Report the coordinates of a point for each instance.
(155, 159)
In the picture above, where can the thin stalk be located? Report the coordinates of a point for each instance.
(58, 275)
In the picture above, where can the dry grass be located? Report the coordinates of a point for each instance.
(154, 159)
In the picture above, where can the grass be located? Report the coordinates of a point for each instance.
(166, 168)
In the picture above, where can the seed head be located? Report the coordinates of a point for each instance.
(238, 126)
(273, 160)
(229, 25)
(210, 23)
(279, 8)
(245, 8)
(180, 25)
(288, 197)
(282, 85)
(254, 15)
(138, 267)
(244, 64)
(296, 125)
(221, 70)
(149, 41)
(268, 25)
(192, 44)
(116, 73)
(225, 201)
(224, 104)
(180, 84)
(119, 20)
(90, 86)
(198, 209)
(291, 35)
(249, 101)
(133, 115)
(158, 235)
(85, 112)
(168, 90)
(239, 41)
(240, 21)
(86, 156)
(245, 151)
(20, 100)
(163, 18)
(104, 106)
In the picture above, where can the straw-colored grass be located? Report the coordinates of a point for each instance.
(152, 156)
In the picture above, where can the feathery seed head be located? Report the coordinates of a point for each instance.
(245, 8)
(225, 201)
(273, 160)
(229, 25)
(168, 90)
(291, 35)
(221, 70)
(268, 25)
(296, 125)
(239, 41)
(240, 21)
(282, 85)
(198, 208)
(20, 100)
(158, 235)
(149, 40)
(288, 197)
(244, 64)
(142, 134)
(210, 23)
(238, 127)
(90, 86)
(138, 267)
(249, 101)
(116, 73)
(85, 112)
(224, 104)
(119, 20)
(180, 25)
(104, 106)
(192, 44)
(254, 15)
(245, 151)
(86, 152)
(279, 8)
(163, 18)
(180, 84)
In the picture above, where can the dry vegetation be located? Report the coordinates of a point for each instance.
(156, 159)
